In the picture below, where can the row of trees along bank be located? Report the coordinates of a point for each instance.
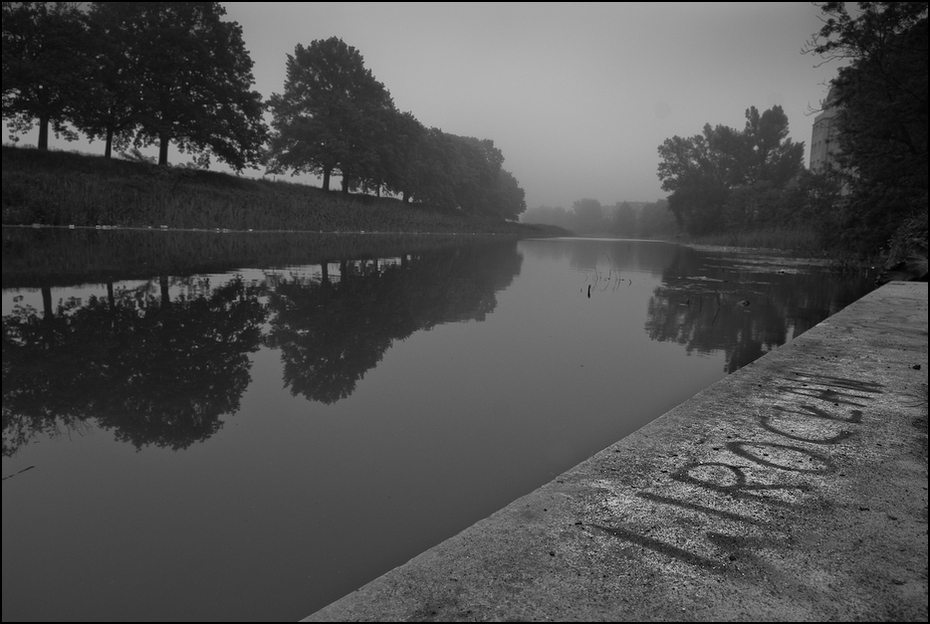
(145, 73)
(725, 179)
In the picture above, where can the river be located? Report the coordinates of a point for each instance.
(226, 426)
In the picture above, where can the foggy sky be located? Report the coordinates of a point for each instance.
(577, 96)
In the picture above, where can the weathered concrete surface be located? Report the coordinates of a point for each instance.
(794, 489)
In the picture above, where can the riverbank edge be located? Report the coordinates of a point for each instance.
(794, 489)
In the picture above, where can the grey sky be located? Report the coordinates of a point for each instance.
(578, 96)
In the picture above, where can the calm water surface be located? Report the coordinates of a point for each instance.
(195, 430)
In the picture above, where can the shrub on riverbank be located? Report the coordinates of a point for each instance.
(62, 188)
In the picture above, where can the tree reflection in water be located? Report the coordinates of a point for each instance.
(743, 309)
(163, 372)
(155, 371)
(302, 487)
(332, 332)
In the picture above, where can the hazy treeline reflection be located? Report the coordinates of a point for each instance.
(741, 309)
(162, 371)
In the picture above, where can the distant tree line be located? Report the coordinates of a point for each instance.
(135, 74)
(624, 219)
(721, 180)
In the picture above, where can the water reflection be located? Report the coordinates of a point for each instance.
(331, 333)
(743, 306)
(606, 256)
(361, 399)
(161, 371)
(155, 371)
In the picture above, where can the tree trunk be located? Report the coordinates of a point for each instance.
(163, 150)
(111, 300)
(43, 134)
(165, 295)
(47, 302)
(108, 150)
(326, 173)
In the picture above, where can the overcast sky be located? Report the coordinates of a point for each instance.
(577, 96)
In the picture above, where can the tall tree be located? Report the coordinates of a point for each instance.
(399, 154)
(479, 165)
(108, 105)
(882, 114)
(464, 173)
(437, 165)
(194, 79)
(508, 199)
(770, 155)
(694, 172)
(702, 172)
(768, 162)
(44, 64)
(331, 116)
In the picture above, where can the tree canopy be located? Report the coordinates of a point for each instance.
(196, 90)
(331, 114)
(149, 72)
(334, 117)
(107, 107)
(161, 73)
(719, 179)
(43, 65)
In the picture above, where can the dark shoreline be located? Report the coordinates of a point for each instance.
(61, 256)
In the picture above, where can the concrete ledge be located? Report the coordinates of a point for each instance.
(794, 489)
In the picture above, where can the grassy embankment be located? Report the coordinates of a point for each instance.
(63, 188)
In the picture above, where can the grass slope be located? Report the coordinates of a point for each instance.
(63, 188)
